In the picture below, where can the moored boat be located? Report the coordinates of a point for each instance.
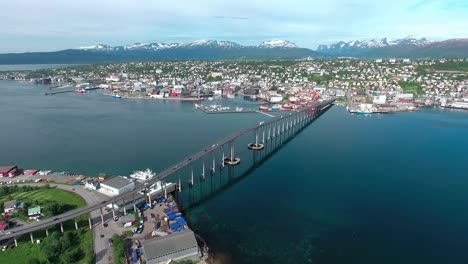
(143, 175)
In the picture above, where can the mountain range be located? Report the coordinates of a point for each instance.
(408, 47)
(196, 50)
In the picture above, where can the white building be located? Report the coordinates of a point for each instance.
(380, 99)
(116, 185)
(404, 96)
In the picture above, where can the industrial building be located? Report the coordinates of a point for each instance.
(116, 185)
(177, 246)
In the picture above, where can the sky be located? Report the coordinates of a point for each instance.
(48, 25)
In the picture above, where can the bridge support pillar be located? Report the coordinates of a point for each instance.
(202, 174)
(90, 224)
(149, 199)
(253, 146)
(269, 133)
(134, 208)
(16, 242)
(47, 232)
(165, 189)
(191, 181)
(232, 161)
(32, 238)
(102, 217)
(125, 209)
(61, 227)
(179, 185)
(263, 135)
(113, 212)
(76, 225)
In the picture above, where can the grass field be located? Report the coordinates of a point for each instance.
(60, 196)
(26, 251)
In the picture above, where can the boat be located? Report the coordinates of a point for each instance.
(263, 108)
(116, 96)
(143, 175)
(80, 91)
(156, 187)
(210, 98)
(231, 96)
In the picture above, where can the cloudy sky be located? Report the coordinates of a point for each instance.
(30, 25)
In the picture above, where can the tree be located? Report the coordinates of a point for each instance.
(34, 261)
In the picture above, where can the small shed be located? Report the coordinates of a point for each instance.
(34, 213)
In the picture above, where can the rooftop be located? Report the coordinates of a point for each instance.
(34, 210)
(117, 182)
(7, 168)
(9, 204)
(172, 246)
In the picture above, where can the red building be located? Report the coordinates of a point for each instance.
(8, 171)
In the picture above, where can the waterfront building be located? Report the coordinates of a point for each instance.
(116, 185)
(8, 171)
(177, 246)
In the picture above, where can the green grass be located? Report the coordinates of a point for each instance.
(411, 87)
(22, 254)
(62, 197)
(26, 251)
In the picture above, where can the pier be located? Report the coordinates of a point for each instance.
(208, 171)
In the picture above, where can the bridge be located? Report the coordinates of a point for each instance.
(203, 173)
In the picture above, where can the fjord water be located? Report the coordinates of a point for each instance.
(347, 189)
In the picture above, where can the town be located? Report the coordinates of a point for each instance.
(378, 86)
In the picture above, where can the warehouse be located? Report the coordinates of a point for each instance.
(177, 246)
(116, 185)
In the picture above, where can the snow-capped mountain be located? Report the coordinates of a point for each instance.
(194, 44)
(350, 47)
(277, 43)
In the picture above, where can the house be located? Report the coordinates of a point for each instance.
(34, 213)
(9, 206)
(8, 171)
(177, 246)
(116, 185)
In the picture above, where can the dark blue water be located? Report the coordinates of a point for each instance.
(351, 189)
(347, 189)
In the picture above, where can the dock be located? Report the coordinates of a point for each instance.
(263, 113)
(58, 92)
